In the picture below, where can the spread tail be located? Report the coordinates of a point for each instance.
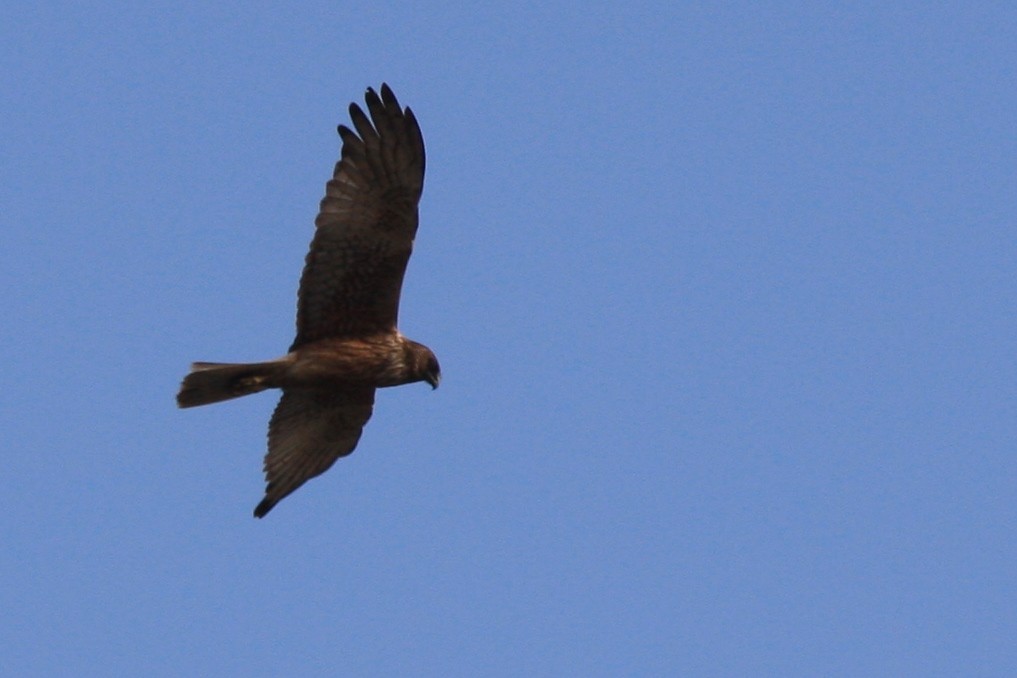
(214, 382)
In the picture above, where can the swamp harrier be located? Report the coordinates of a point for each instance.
(347, 343)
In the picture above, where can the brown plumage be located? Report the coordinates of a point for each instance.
(347, 343)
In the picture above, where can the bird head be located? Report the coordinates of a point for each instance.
(423, 364)
(432, 371)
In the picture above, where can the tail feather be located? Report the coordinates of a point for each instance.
(214, 382)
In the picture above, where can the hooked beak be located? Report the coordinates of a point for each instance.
(433, 378)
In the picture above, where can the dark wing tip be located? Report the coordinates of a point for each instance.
(264, 507)
(357, 114)
(388, 97)
(387, 102)
(371, 96)
(346, 134)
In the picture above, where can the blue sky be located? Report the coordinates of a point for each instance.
(723, 295)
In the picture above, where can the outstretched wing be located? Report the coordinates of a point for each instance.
(309, 430)
(365, 226)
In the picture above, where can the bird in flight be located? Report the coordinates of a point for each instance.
(347, 342)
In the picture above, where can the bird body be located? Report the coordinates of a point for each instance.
(347, 342)
(380, 361)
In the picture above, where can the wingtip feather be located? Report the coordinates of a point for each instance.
(263, 508)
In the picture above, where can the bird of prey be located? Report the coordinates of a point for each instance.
(347, 343)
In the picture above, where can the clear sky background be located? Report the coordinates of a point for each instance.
(723, 295)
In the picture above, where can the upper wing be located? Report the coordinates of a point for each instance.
(309, 430)
(365, 226)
